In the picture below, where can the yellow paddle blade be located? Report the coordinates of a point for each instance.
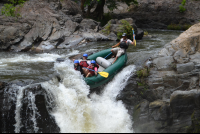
(135, 42)
(104, 74)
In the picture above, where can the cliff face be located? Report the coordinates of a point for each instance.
(44, 25)
(159, 13)
(168, 99)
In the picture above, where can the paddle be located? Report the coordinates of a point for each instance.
(108, 55)
(103, 74)
(134, 36)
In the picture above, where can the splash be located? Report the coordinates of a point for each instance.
(75, 112)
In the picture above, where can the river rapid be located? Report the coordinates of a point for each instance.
(72, 105)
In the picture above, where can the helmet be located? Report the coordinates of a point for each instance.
(124, 34)
(85, 55)
(76, 61)
(93, 62)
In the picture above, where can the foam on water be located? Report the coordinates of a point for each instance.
(45, 57)
(75, 112)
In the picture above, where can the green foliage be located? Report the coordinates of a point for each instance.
(9, 9)
(143, 73)
(107, 29)
(125, 27)
(181, 7)
(178, 27)
(146, 33)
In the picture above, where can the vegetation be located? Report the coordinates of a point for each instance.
(143, 73)
(181, 7)
(178, 27)
(195, 127)
(146, 33)
(107, 29)
(125, 27)
(10, 8)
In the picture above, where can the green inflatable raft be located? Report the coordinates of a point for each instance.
(105, 66)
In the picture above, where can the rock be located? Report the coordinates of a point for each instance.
(182, 104)
(159, 110)
(181, 56)
(113, 26)
(12, 32)
(71, 41)
(94, 36)
(70, 7)
(77, 18)
(139, 34)
(163, 63)
(112, 36)
(88, 24)
(183, 68)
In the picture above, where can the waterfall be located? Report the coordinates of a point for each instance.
(75, 112)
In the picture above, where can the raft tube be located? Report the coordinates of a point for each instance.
(113, 69)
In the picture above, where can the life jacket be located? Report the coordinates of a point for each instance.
(124, 44)
(78, 68)
(92, 68)
(83, 64)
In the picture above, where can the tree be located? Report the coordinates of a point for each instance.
(98, 5)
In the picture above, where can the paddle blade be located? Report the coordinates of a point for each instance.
(135, 42)
(104, 74)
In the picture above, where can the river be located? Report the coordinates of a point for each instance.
(73, 107)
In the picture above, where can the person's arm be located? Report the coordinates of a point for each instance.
(116, 45)
(79, 68)
(95, 69)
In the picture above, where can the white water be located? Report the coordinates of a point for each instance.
(75, 112)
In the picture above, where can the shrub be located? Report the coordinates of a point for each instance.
(181, 7)
(146, 33)
(107, 29)
(178, 27)
(142, 73)
(125, 27)
(9, 9)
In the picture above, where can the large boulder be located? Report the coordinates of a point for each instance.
(12, 31)
(114, 27)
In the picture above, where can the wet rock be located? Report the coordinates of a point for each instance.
(34, 113)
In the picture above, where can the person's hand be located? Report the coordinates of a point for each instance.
(133, 36)
(112, 46)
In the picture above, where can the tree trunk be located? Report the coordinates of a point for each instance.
(98, 12)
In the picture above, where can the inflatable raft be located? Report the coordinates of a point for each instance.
(105, 66)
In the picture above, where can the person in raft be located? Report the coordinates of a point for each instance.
(123, 45)
(77, 66)
(92, 69)
(84, 63)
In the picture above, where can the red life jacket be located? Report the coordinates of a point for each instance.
(83, 64)
(92, 68)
